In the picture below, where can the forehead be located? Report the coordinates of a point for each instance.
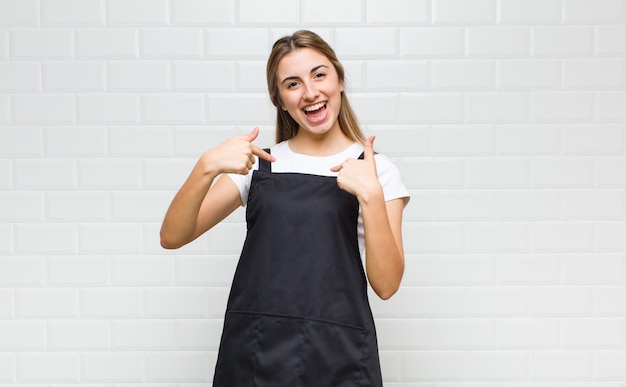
(301, 60)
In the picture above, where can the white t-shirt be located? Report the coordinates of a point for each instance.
(288, 161)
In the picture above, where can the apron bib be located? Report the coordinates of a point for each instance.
(298, 312)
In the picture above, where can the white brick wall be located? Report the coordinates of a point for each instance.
(507, 118)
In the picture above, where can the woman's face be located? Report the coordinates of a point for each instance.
(309, 89)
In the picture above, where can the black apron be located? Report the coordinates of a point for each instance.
(298, 312)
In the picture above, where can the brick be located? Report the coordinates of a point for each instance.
(493, 301)
(609, 301)
(48, 367)
(501, 41)
(397, 75)
(45, 238)
(78, 335)
(497, 107)
(142, 271)
(561, 172)
(497, 172)
(138, 12)
(228, 108)
(50, 43)
(592, 204)
(6, 239)
(139, 206)
(109, 43)
(593, 74)
(610, 106)
(7, 304)
(213, 270)
(462, 74)
(593, 268)
(198, 334)
(585, 11)
(397, 12)
(274, 12)
(528, 74)
(433, 365)
(112, 367)
(177, 366)
(593, 333)
(44, 108)
(22, 13)
(77, 206)
(47, 303)
(72, 12)
(250, 76)
(523, 333)
(174, 108)
(138, 76)
(22, 271)
(141, 140)
(420, 208)
(253, 43)
(172, 43)
(74, 76)
(75, 141)
(610, 171)
(527, 204)
(530, 11)
(407, 334)
(561, 365)
(22, 336)
(344, 12)
(435, 237)
(609, 364)
(111, 303)
(440, 107)
(7, 367)
(110, 238)
(108, 108)
(109, 174)
(463, 269)
(364, 42)
(378, 108)
(209, 76)
(18, 76)
(562, 301)
(202, 12)
(432, 42)
(498, 237)
(44, 174)
(71, 270)
(458, 205)
(5, 108)
(401, 140)
(497, 365)
(143, 335)
(562, 236)
(4, 43)
(434, 302)
(434, 172)
(562, 41)
(463, 333)
(21, 206)
(176, 302)
(610, 236)
(165, 173)
(462, 12)
(529, 269)
(593, 139)
(609, 40)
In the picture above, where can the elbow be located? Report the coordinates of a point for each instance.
(167, 242)
(385, 294)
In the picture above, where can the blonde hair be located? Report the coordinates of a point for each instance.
(286, 126)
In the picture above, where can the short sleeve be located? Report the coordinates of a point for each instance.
(390, 179)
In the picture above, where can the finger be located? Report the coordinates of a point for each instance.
(336, 168)
(368, 148)
(252, 135)
(262, 154)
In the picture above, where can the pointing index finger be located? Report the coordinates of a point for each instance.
(262, 154)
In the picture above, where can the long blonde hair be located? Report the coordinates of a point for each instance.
(286, 126)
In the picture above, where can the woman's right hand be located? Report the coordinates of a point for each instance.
(235, 155)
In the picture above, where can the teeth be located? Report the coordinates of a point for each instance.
(314, 107)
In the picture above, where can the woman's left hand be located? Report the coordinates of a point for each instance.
(359, 177)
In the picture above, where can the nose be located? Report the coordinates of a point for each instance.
(310, 93)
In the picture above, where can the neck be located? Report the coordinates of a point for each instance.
(319, 145)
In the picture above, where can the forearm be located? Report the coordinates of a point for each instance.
(384, 254)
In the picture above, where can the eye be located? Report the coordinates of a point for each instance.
(320, 75)
(291, 85)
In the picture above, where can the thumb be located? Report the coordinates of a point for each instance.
(252, 135)
(368, 148)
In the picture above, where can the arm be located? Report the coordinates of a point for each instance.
(382, 222)
(199, 204)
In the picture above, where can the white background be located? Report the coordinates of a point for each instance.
(506, 117)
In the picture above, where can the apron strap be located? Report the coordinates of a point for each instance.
(265, 165)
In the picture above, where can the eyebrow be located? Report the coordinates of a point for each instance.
(314, 69)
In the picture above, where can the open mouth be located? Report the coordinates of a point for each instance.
(315, 109)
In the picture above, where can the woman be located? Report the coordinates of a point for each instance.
(298, 313)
